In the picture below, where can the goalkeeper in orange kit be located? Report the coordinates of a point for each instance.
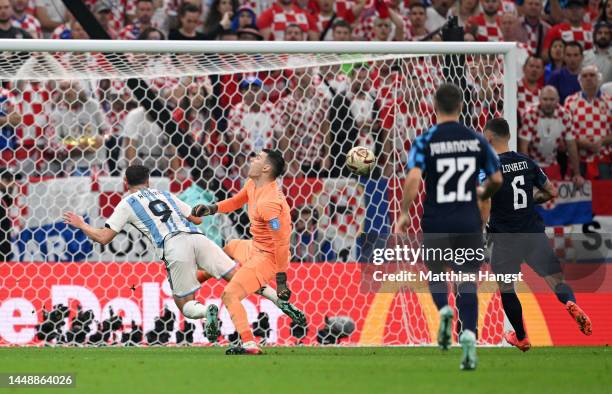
(266, 256)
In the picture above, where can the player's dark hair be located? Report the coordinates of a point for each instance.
(448, 98)
(275, 158)
(574, 44)
(499, 127)
(136, 175)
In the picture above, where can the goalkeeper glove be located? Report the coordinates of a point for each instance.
(282, 290)
(204, 210)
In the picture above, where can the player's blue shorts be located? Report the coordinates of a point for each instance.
(460, 251)
(511, 250)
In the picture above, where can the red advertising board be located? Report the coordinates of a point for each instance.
(139, 291)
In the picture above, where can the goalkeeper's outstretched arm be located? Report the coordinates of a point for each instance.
(226, 206)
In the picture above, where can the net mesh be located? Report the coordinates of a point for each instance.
(71, 122)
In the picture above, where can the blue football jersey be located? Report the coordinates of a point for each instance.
(512, 207)
(451, 156)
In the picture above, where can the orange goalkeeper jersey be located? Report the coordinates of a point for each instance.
(269, 216)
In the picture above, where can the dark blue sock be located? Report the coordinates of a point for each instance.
(564, 293)
(467, 305)
(514, 311)
(439, 293)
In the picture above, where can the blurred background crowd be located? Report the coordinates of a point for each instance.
(85, 127)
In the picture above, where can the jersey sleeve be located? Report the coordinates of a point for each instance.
(540, 178)
(416, 156)
(270, 211)
(490, 162)
(233, 203)
(119, 218)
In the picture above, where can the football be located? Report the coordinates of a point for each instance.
(360, 160)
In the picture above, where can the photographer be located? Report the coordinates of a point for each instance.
(7, 183)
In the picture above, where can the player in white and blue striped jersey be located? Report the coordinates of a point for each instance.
(167, 222)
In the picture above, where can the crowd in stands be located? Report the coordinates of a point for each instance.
(80, 127)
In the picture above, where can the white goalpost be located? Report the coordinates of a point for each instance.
(75, 113)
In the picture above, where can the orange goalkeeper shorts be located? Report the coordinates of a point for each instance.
(238, 249)
(257, 268)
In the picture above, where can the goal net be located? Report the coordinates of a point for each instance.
(74, 114)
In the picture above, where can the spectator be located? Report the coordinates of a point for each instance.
(7, 30)
(7, 184)
(9, 119)
(249, 34)
(592, 116)
(593, 12)
(606, 14)
(70, 31)
(364, 108)
(418, 21)
(227, 35)
(23, 20)
(219, 17)
(117, 103)
(565, 80)
(341, 30)
(273, 22)
(576, 30)
(294, 32)
(145, 143)
(465, 9)
(307, 240)
(333, 79)
(547, 129)
(554, 58)
(437, 14)
(366, 29)
(328, 11)
(188, 16)
(303, 125)
(533, 28)
(510, 28)
(79, 126)
(103, 11)
(601, 54)
(245, 18)
(529, 86)
(144, 14)
(252, 122)
(485, 26)
(383, 27)
(151, 33)
(200, 193)
(51, 14)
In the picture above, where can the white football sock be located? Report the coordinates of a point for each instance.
(194, 310)
(269, 293)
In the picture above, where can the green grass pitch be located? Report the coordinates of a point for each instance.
(317, 370)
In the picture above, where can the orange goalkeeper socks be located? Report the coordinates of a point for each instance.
(231, 297)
